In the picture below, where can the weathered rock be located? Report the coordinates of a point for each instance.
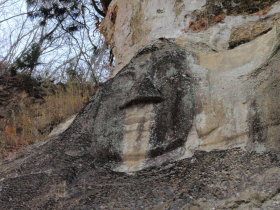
(237, 39)
(127, 124)
(145, 111)
(62, 126)
(231, 92)
(199, 25)
(194, 118)
(52, 178)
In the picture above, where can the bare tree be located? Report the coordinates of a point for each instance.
(57, 36)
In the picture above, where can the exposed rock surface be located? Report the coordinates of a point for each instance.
(199, 25)
(190, 121)
(228, 42)
(62, 126)
(52, 177)
(76, 169)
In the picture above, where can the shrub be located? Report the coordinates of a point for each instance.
(32, 119)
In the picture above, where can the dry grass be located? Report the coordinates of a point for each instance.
(32, 121)
(3, 68)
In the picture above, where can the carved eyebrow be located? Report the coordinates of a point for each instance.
(142, 100)
(143, 92)
(127, 72)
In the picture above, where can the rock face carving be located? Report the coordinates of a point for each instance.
(132, 121)
(147, 109)
(137, 132)
(145, 116)
(230, 41)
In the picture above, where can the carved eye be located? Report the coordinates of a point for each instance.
(143, 92)
(129, 74)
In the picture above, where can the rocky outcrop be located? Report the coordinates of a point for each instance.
(142, 122)
(189, 121)
(207, 26)
(62, 126)
(55, 176)
(228, 42)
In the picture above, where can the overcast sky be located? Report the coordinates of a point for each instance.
(10, 29)
(14, 23)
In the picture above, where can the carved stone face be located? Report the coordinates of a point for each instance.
(224, 94)
(147, 109)
(168, 103)
(234, 67)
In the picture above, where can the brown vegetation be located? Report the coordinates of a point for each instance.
(263, 12)
(28, 112)
(3, 68)
(199, 25)
(215, 11)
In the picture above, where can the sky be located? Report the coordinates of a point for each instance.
(10, 29)
(17, 32)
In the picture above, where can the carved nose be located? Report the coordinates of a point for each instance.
(137, 126)
(139, 117)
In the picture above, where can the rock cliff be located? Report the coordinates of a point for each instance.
(190, 119)
(233, 49)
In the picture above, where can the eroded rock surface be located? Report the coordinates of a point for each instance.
(227, 42)
(145, 111)
(52, 178)
(129, 124)
(189, 121)
(207, 26)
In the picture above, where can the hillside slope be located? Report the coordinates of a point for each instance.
(80, 169)
(30, 109)
(190, 120)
